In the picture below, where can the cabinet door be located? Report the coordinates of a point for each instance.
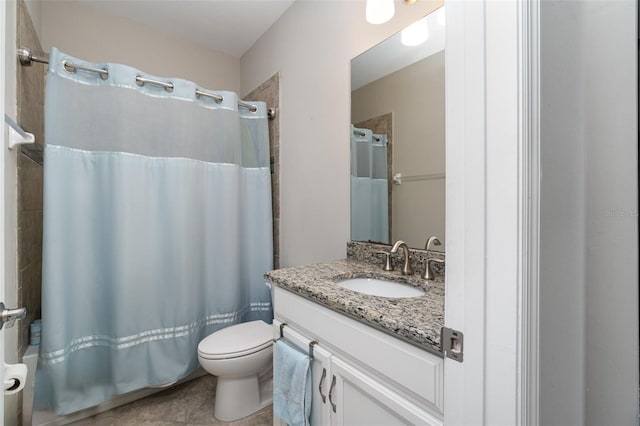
(358, 399)
(320, 372)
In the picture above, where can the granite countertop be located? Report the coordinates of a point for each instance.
(416, 320)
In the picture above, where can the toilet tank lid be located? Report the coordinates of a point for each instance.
(237, 338)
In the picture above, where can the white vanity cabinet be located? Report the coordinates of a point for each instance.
(361, 400)
(361, 376)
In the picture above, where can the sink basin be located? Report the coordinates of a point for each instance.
(382, 288)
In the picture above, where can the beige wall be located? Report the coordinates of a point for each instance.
(311, 46)
(90, 34)
(415, 97)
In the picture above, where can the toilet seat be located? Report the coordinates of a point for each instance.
(236, 341)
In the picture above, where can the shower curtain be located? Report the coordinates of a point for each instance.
(369, 187)
(157, 229)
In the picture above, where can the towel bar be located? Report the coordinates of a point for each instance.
(311, 344)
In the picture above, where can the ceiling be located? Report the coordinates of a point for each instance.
(229, 26)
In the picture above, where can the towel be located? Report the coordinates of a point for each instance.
(291, 385)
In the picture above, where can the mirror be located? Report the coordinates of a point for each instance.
(398, 138)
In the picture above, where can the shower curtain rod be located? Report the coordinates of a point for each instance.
(26, 59)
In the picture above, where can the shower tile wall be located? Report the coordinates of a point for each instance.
(30, 103)
(269, 92)
(30, 94)
(383, 125)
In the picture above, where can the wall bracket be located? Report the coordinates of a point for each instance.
(17, 136)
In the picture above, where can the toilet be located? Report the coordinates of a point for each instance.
(237, 355)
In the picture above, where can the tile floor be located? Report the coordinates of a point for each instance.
(189, 404)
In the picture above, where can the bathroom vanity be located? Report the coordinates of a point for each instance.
(377, 359)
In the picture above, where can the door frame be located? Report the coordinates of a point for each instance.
(492, 210)
(3, 144)
(8, 197)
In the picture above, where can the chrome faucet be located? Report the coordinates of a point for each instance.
(432, 240)
(406, 269)
(428, 269)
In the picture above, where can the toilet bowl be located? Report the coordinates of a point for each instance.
(237, 355)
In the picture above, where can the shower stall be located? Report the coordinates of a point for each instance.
(157, 227)
(369, 186)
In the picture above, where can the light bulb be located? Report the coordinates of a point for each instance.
(415, 34)
(379, 11)
(441, 16)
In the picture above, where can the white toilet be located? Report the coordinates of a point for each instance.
(237, 355)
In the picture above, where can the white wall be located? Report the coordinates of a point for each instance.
(90, 34)
(311, 46)
(562, 240)
(589, 254)
(611, 205)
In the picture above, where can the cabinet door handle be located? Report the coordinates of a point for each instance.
(333, 386)
(324, 375)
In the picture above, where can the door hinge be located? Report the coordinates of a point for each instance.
(452, 343)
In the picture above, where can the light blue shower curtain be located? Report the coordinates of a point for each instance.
(369, 186)
(157, 230)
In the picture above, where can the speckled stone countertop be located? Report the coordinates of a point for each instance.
(417, 320)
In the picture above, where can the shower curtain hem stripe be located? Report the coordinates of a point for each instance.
(118, 343)
(150, 157)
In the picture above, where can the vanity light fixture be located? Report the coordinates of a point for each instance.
(380, 11)
(415, 34)
(441, 16)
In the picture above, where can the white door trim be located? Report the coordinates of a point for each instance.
(465, 209)
(528, 368)
(492, 211)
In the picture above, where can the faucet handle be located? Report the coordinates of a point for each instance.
(432, 240)
(428, 270)
(387, 264)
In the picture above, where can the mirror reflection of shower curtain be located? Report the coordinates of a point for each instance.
(157, 230)
(369, 186)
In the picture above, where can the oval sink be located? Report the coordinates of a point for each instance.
(382, 288)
